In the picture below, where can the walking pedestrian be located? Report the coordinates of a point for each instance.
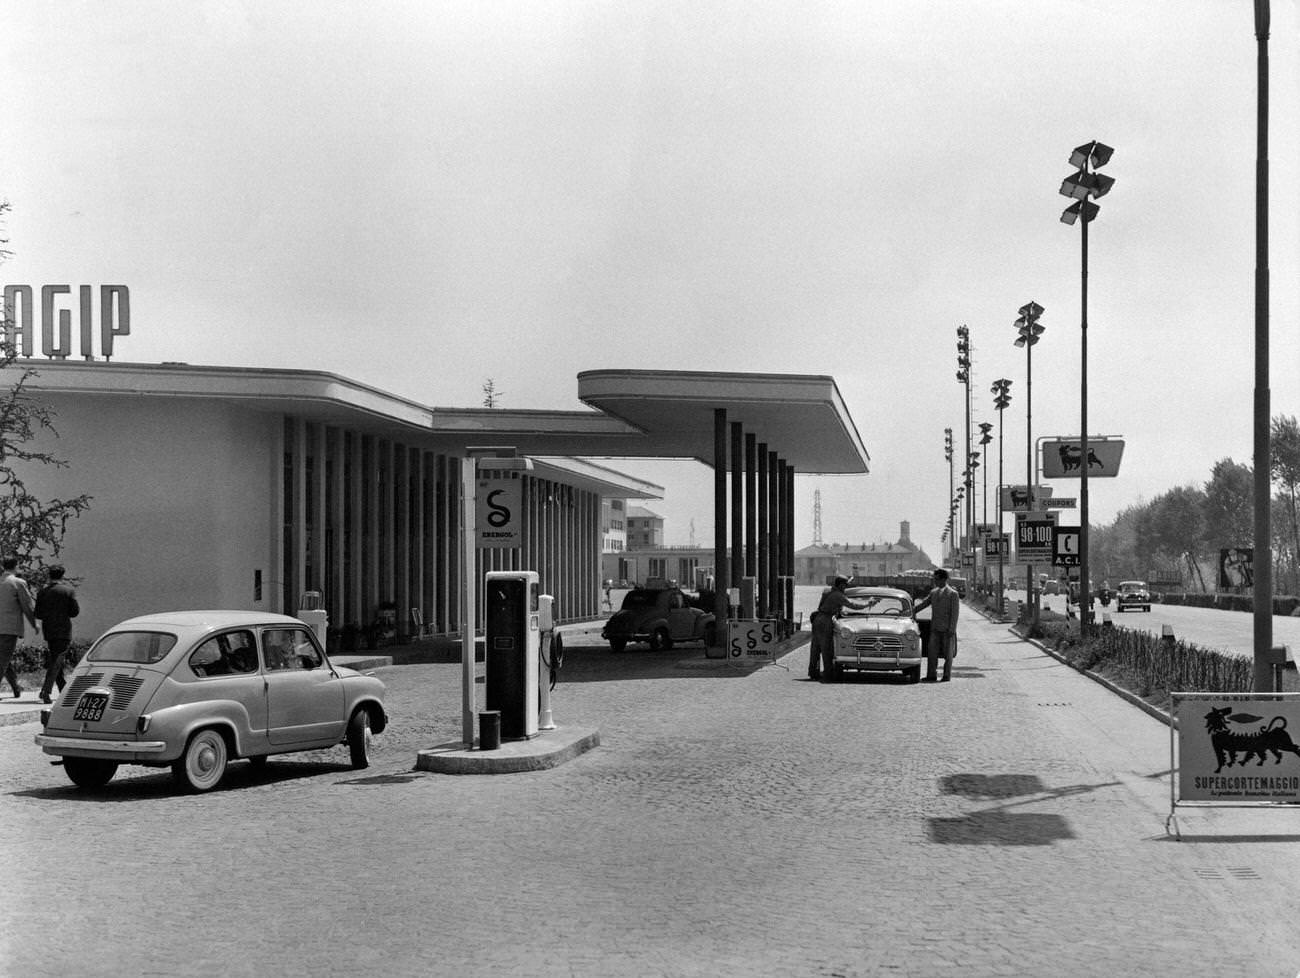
(821, 648)
(15, 608)
(56, 606)
(944, 603)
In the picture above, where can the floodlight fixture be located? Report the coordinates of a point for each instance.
(1094, 153)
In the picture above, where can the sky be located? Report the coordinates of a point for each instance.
(426, 196)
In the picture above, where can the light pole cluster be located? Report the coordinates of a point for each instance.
(968, 475)
(1001, 401)
(1085, 185)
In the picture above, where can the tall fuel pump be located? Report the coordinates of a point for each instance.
(512, 641)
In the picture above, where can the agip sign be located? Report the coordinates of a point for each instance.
(112, 314)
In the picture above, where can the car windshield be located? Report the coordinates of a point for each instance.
(640, 598)
(143, 648)
(1132, 586)
(893, 605)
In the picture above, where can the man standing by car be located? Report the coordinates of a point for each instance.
(15, 608)
(822, 650)
(944, 603)
(56, 606)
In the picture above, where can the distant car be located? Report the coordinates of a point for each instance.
(192, 690)
(660, 616)
(882, 638)
(1132, 594)
(1052, 587)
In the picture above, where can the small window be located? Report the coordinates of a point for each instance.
(290, 649)
(229, 654)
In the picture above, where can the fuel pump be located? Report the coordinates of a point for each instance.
(511, 654)
(551, 654)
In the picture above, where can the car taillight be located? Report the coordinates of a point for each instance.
(142, 725)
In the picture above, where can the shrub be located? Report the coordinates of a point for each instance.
(31, 658)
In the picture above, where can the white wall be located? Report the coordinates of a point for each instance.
(181, 514)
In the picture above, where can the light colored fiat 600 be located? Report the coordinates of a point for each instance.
(191, 690)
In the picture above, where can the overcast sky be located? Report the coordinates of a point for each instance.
(422, 196)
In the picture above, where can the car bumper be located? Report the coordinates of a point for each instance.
(84, 745)
(882, 663)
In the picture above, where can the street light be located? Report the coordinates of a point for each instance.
(1001, 400)
(1083, 184)
(1029, 330)
(963, 377)
(1263, 489)
(947, 455)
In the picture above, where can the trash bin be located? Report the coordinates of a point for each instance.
(489, 730)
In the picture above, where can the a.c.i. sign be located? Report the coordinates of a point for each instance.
(56, 319)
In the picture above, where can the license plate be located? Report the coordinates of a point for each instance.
(91, 707)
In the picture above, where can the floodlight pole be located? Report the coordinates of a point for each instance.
(1263, 562)
(1085, 595)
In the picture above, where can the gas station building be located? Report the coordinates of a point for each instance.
(244, 488)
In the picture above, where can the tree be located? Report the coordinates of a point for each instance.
(31, 529)
(1170, 530)
(491, 396)
(1229, 505)
(1284, 467)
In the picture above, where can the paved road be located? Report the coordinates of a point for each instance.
(1226, 631)
(1007, 823)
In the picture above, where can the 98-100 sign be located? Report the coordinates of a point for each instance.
(1034, 534)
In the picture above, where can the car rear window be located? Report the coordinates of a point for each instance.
(143, 648)
(640, 599)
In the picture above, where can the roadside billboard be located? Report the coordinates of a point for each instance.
(1063, 458)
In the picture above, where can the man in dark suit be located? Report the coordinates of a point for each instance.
(56, 606)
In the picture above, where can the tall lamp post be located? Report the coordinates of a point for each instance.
(1028, 330)
(1084, 185)
(985, 427)
(1001, 400)
(1263, 563)
(963, 377)
(947, 454)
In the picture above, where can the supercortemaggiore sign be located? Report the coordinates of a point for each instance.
(107, 307)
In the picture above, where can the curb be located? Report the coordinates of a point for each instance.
(547, 750)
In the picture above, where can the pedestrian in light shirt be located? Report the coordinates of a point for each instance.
(16, 607)
(944, 604)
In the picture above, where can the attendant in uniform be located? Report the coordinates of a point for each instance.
(822, 648)
(944, 603)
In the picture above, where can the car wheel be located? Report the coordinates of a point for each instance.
(359, 739)
(87, 773)
(617, 644)
(660, 640)
(913, 675)
(203, 764)
(711, 634)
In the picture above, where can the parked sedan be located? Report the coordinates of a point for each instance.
(883, 637)
(659, 616)
(191, 690)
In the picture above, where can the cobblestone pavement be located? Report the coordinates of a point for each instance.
(1010, 822)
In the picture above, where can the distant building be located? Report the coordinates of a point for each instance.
(645, 530)
(613, 525)
(814, 564)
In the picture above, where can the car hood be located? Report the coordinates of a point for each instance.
(878, 626)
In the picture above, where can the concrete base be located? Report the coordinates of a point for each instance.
(548, 749)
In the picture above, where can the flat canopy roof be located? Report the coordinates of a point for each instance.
(637, 413)
(800, 417)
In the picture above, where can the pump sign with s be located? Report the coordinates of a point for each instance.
(499, 503)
